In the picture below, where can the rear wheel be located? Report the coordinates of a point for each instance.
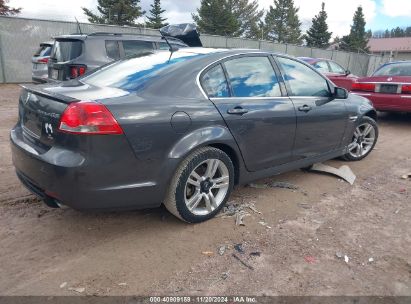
(201, 185)
(364, 139)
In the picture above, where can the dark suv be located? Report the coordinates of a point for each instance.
(73, 55)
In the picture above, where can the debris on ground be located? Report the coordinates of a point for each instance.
(281, 185)
(64, 284)
(224, 276)
(222, 249)
(339, 255)
(242, 262)
(239, 210)
(239, 218)
(263, 223)
(406, 176)
(208, 253)
(346, 259)
(309, 259)
(239, 248)
(77, 289)
(255, 253)
(344, 172)
(371, 260)
(122, 284)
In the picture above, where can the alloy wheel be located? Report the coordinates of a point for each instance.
(206, 187)
(363, 140)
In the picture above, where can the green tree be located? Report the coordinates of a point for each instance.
(282, 23)
(318, 34)
(6, 10)
(248, 16)
(357, 40)
(216, 18)
(119, 12)
(155, 20)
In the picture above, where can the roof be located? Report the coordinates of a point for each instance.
(390, 44)
(119, 36)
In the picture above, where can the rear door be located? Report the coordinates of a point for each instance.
(321, 121)
(261, 119)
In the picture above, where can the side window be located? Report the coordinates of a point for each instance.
(214, 82)
(336, 68)
(112, 49)
(163, 46)
(322, 66)
(134, 47)
(302, 80)
(252, 76)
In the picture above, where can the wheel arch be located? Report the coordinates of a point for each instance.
(372, 114)
(217, 137)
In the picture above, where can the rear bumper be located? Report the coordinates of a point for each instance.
(388, 102)
(80, 183)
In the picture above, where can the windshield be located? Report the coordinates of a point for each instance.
(133, 73)
(66, 50)
(394, 69)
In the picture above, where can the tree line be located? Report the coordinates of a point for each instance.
(236, 18)
(393, 33)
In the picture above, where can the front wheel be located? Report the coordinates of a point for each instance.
(201, 185)
(364, 139)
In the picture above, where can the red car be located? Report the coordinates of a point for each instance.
(335, 72)
(389, 88)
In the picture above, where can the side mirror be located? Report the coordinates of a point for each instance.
(347, 72)
(340, 93)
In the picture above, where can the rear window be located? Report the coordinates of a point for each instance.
(133, 74)
(43, 51)
(66, 50)
(395, 69)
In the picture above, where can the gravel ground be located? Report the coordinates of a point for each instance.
(325, 238)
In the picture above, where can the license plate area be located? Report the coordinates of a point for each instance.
(55, 74)
(389, 88)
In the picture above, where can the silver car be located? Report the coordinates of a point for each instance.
(40, 61)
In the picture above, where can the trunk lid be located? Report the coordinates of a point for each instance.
(64, 51)
(39, 116)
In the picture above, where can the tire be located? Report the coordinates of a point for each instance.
(199, 198)
(361, 139)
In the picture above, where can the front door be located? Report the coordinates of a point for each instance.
(321, 120)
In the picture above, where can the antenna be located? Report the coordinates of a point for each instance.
(78, 25)
(172, 49)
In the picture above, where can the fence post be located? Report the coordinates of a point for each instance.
(3, 74)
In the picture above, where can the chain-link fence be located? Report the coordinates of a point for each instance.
(20, 38)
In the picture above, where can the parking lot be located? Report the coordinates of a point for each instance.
(323, 238)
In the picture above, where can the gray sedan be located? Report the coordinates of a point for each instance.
(182, 129)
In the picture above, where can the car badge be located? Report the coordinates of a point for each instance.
(389, 79)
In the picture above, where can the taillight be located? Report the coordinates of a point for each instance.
(406, 89)
(43, 60)
(87, 117)
(361, 86)
(77, 71)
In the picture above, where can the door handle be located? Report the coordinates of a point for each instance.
(237, 111)
(305, 108)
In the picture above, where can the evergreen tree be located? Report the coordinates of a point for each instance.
(6, 10)
(318, 34)
(248, 16)
(155, 20)
(119, 12)
(357, 39)
(282, 23)
(387, 34)
(216, 18)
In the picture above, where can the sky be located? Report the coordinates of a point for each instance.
(379, 14)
